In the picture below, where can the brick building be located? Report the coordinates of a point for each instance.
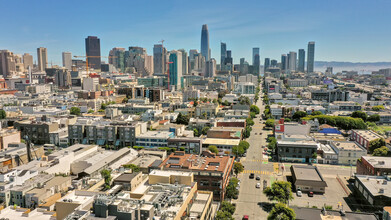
(374, 166)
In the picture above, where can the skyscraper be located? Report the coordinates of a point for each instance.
(205, 50)
(228, 62)
(310, 57)
(28, 61)
(284, 61)
(93, 52)
(138, 59)
(117, 58)
(256, 60)
(266, 64)
(223, 51)
(42, 54)
(67, 60)
(184, 62)
(273, 63)
(210, 70)
(159, 59)
(300, 67)
(7, 63)
(292, 61)
(175, 69)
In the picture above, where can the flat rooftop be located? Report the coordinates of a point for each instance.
(347, 145)
(221, 141)
(10, 213)
(169, 173)
(378, 162)
(368, 134)
(374, 184)
(308, 173)
(155, 134)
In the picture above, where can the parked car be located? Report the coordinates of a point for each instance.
(258, 185)
(251, 176)
(258, 178)
(245, 217)
(311, 194)
(299, 193)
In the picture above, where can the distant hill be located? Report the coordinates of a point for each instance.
(362, 68)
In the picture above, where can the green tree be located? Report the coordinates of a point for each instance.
(299, 114)
(374, 118)
(272, 145)
(213, 149)
(231, 190)
(377, 143)
(269, 122)
(75, 111)
(244, 144)
(244, 100)
(280, 191)
(214, 101)
(360, 114)
(247, 132)
(226, 103)
(133, 167)
(223, 215)
(238, 150)
(255, 109)
(249, 121)
(182, 119)
(252, 115)
(227, 207)
(3, 115)
(90, 111)
(205, 130)
(378, 108)
(103, 106)
(316, 113)
(195, 132)
(381, 151)
(238, 168)
(281, 211)
(314, 155)
(106, 175)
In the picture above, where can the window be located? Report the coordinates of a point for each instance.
(287, 150)
(204, 183)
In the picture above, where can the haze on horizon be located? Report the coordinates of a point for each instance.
(354, 31)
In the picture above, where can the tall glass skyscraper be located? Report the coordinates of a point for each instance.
(223, 52)
(175, 69)
(93, 52)
(256, 60)
(266, 64)
(292, 61)
(310, 57)
(205, 50)
(300, 67)
(284, 61)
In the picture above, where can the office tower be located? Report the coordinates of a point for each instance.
(300, 67)
(266, 64)
(205, 50)
(256, 60)
(223, 51)
(62, 78)
(42, 54)
(228, 62)
(7, 63)
(67, 60)
(287, 61)
(184, 62)
(136, 58)
(159, 59)
(310, 57)
(175, 69)
(273, 63)
(117, 58)
(93, 52)
(19, 67)
(28, 61)
(210, 68)
(292, 61)
(284, 61)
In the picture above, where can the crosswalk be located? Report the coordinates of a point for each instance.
(264, 160)
(263, 172)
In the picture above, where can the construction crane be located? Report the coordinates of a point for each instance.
(92, 57)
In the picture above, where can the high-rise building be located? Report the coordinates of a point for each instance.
(62, 78)
(28, 61)
(266, 64)
(7, 63)
(273, 63)
(284, 61)
(256, 60)
(159, 59)
(42, 54)
(210, 68)
(185, 64)
(292, 61)
(310, 57)
(205, 50)
(300, 67)
(228, 62)
(117, 58)
(93, 52)
(67, 60)
(175, 69)
(223, 51)
(137, 58)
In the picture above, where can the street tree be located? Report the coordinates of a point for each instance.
(227, 207)
(255, 109)
(238, 150)
(244, 144)
(238, 168)
(269, 122)
(280, 191)
(281, 212)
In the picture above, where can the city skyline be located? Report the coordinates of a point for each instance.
(339, 38)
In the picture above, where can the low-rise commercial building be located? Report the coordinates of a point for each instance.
(375, 166)
(308, 179)
(297, 151)
(364, 137)
(348, 152)
(374, 190)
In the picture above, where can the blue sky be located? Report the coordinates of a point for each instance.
(344, 30)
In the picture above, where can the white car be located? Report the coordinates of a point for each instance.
(258, 185)
(299, 193)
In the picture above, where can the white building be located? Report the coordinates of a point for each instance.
(90, 84)
(67, 60)
(348, 152)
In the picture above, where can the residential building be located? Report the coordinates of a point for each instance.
(190, 145)
(154, 139)
(292, 61)
(374, 166)
(301, 63)
(348, 152)
(310, 57)
(67, 60)
(364, 137)
(330, 95)
(175, 78)
(28, 61)
(42, 54)
(37, 132)
(297, 82)
(297, 151)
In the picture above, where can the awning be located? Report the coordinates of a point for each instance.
(100, 142)
(117, 143)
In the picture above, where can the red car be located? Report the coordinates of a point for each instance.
(245, 217)
(310, 194)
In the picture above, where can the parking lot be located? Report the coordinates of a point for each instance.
(333, 195)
